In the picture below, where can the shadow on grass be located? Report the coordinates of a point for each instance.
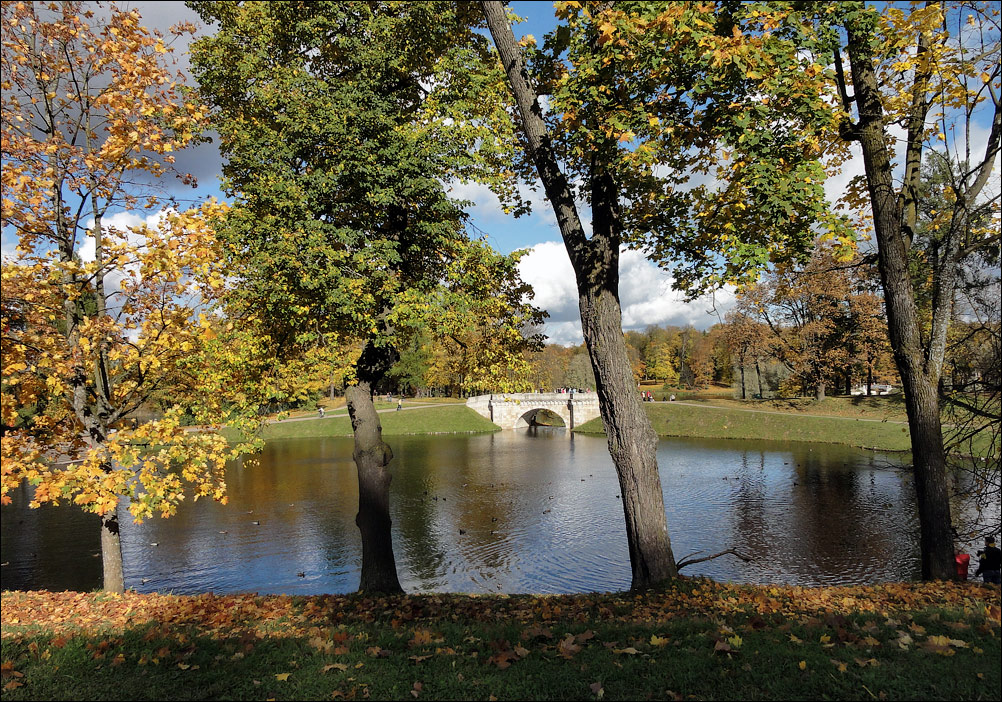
(911, 641)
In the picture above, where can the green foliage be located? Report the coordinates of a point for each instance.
(341, 124)
(711, 119)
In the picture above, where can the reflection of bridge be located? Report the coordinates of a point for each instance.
(517, 410)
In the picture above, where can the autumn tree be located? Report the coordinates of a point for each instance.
(643, 100)
(809, 311)
(934, 70)
(749, 340)
(662, 356)
(477, 321)
(340, 124)
(98, 319)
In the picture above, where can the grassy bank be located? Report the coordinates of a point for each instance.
(715, 422)
(697, 640)
(444, 419)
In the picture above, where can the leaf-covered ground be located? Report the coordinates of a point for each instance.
(696, 640)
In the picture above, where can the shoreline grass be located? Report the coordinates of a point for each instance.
(695, 639)
(675, 419)
(440, 419)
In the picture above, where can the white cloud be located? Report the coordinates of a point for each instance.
(645, 294)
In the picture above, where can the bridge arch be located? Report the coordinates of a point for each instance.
(533, 417)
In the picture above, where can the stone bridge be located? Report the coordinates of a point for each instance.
(518, 410)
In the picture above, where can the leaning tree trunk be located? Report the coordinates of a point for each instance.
(919, 375)
(632, 441)
(372, 455)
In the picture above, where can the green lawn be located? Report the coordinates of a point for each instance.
(712, 422)
(695, 640)
(444, 419)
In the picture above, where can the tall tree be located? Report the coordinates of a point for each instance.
(934, 69)
(640, 98)
(97, 320)
(340, 123)
(810, 312)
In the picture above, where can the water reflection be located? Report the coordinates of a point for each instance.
(529, 511)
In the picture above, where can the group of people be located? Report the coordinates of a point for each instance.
(648, 396)
(989, 563)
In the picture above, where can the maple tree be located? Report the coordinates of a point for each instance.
(933, 69)
(816, 319)
(340, 123)
(99, 320)
(640, 99)
(748, 340)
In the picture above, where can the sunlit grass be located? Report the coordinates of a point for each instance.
(712, 422)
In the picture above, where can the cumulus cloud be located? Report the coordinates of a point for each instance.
(645, 293)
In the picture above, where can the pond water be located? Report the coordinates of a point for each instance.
(516, 511)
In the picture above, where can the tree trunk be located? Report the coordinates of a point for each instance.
(819, 391)
(372, 455)
(632, 441)
(918, 380)
(758, 376)
(743, 394)
(111, 553)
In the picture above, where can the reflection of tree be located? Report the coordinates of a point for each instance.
(416, 512)
(834, 519)
(50, 547)
(752, 524)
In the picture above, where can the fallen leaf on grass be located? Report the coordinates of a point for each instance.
(417, 689)
(13, 685)
(722, 647)
(422, 637)
(419, 659)
(536, 632)
(630, 651)
(842, 667)
(282, 677)
(567, 648)
(596, 687)
(802, 665)
(659, 640)
(335, 666)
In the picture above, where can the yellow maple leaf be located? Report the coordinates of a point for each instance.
(282, 677)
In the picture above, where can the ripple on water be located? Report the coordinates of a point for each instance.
(807, 514)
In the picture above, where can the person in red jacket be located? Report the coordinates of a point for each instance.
(990, 562)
